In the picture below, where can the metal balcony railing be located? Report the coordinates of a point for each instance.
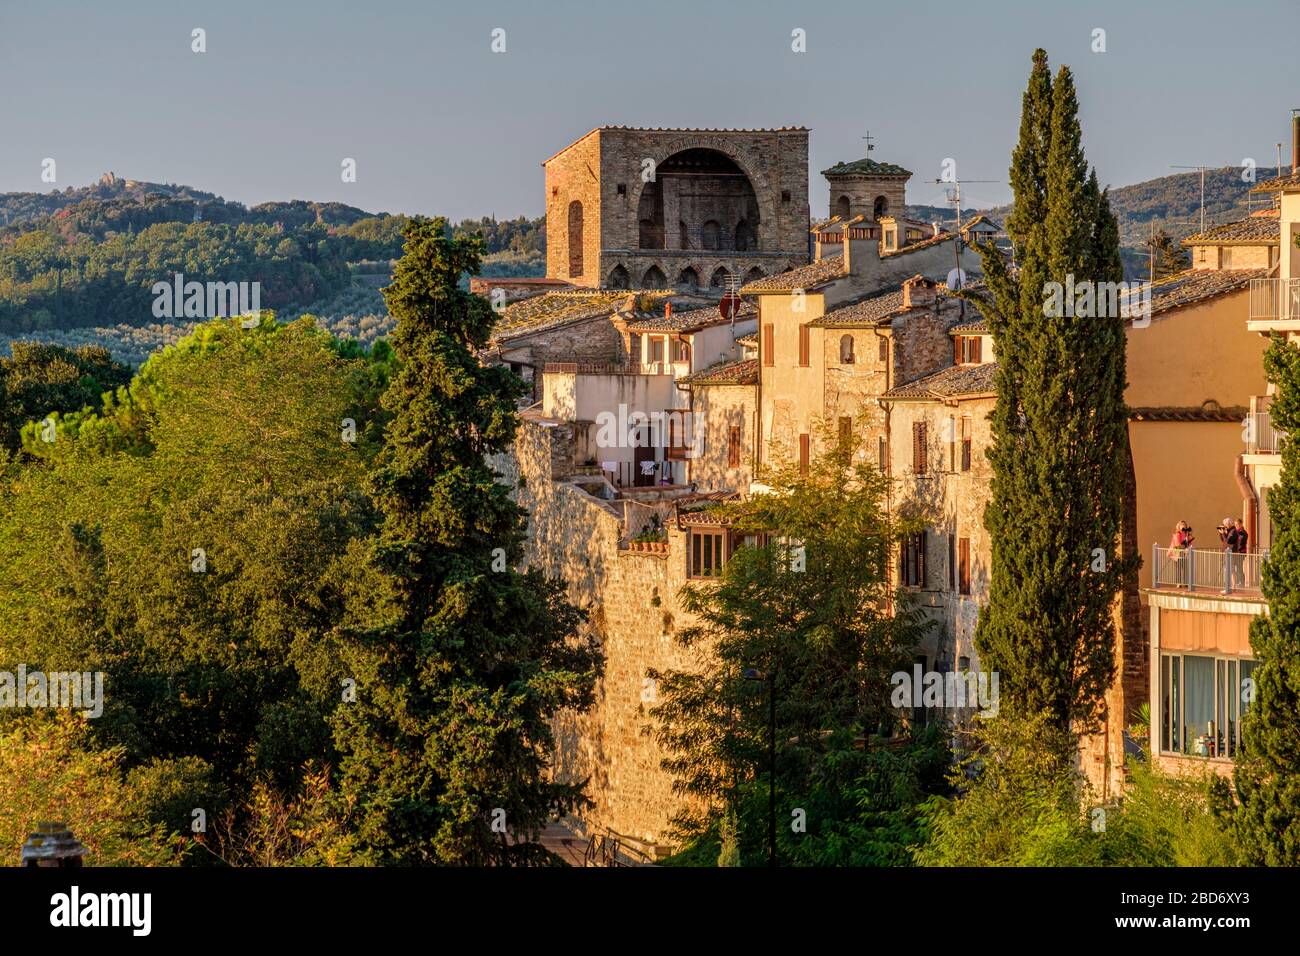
(1261, 437)
(1205, 571)
(1274, 300)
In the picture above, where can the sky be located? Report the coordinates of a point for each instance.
(440, 124)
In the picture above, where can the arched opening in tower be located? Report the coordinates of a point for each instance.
(707, 195)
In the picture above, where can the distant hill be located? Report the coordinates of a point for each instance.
(1173, 202)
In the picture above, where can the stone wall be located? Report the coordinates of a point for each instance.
(721, 408)
(631, 598)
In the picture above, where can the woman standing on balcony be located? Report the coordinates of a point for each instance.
(1180, 545)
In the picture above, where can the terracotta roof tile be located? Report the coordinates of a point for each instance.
(551, 309)
(742, 372)
(1288, 183)
(1210, 411)
(1253, 230)
(866, 167)
(1196, 285)
(690, 319)
(805, 277)
(955, 381)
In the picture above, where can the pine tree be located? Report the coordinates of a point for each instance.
(1169, 259)
(448, 743)
(1059, 430)
(1268, 766)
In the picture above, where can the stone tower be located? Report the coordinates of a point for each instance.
(866, 188)
(683, 208)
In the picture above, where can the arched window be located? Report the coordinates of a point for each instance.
(842, 207)
(846, 350)
(619, 279)
(688, 278)
(711, 235)
(744, 236)
(719, 278)
(880, 208)
(575, 239)
(654, 278)
(650, 217)
(753, 275)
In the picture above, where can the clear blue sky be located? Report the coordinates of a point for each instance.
(440, 124)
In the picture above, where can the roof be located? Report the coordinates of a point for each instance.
(917, 246)
(552, 309)
(1209, 411)
(980, 220)
(690, 320)
(674, 129)
(742, 372)
(1253, 230)
(866, 167)
(750, 340)
(955, 381)
(1196, 285)
(876, 310)
(805, 277)
(977, 326)
(1286, 183)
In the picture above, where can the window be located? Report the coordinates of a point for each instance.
(950, 432)
(785, 195)
(803, 345)
(842, 207)
(711, 235)
(846, 350)
(884, 350)
(767, 345)
(880, 207)
(882, 450)
(965, 442)
(967, 349)
(963, 566)
(912, 565)
(846, 429)
(622, 189)
(804, 449)
(656, 350)
(1225, 257)
(677, 448)
(634, 348)
(681, 351)
(919, 437)
(733, 447)
(575, 239)
(952, 562)
(707, 553)
(1201, 704)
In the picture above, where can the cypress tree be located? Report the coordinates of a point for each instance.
(1060, 439)
(1268, 766)
(447, 745)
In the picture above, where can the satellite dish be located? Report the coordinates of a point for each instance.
(956, 279)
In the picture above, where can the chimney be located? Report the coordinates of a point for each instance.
(1295, 141)
(918, 291)
(668, 309)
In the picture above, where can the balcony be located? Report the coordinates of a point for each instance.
(1261, 437)
(1274, 305)
(1201, 571)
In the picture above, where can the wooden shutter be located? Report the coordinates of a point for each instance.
(920, 559)
(883, 451)
(803, 454)
(965, 442)
(977, 349)
(803, 345)
(733, 447)
(918, 447)
(963, 565)
(767, 345)
(952, 562)
(956, 350)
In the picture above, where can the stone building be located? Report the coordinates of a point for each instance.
(634, 208)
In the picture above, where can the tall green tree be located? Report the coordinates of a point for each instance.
(1268, 767)
(1059, 429)
(447, 745)
(1167, 258)
(807, 605)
